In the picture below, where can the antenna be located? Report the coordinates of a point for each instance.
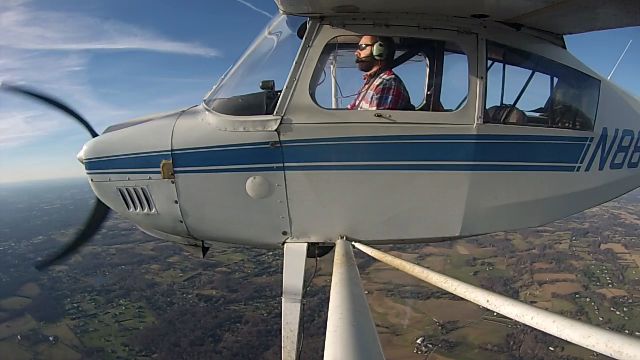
(619, 59)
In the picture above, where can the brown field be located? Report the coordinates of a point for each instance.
(17, 326)
(432, 250)
(461, 249)
(419, 312)
(29, 290)
(11, 350)
(382, 273)
(58, 351)
(546, 305)
(480, 252)
(449, 310)
(14, 303)
(400, 324)
(625, 257)
(617, 248)
(391, 313)
(630, 218)
(609, 293)
(436, 263)
(553, 277)
(395, 348)
(541, 266)
(404, 256)
(636, 258)
(561, 288)
(563, 235)
(321, 280)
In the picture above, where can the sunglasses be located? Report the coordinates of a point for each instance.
(361, 47)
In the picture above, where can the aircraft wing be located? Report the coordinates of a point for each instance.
(561, 17)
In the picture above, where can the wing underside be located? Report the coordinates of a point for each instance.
(560, 17)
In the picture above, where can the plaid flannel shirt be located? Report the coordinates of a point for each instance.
(386, 91)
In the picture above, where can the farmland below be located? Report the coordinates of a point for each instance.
(128, 295)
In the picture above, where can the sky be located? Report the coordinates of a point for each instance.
(116, 60)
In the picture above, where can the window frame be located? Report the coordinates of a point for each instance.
(324, 77)
(552, 86)
(302, 108)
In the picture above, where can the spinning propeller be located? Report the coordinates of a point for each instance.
(100, 210)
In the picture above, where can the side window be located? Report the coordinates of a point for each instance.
(528, 89)
(434, 72)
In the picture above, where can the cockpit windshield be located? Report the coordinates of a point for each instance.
(252, 86)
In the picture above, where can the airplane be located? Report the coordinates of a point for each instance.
(507, 130)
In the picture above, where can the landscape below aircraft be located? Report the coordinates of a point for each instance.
(506, 130)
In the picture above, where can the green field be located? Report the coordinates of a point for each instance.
(111, 328)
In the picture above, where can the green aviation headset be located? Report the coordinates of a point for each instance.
(383, 48)
(379, 51)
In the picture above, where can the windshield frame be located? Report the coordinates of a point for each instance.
(239, 67)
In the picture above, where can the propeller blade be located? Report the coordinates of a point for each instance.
(100, 210)
(50, 101)
(98, 216)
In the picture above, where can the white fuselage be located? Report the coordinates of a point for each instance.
(307, 173)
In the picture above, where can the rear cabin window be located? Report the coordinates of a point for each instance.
(434, 72)
(528, 89)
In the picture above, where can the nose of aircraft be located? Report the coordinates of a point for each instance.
(80, 155)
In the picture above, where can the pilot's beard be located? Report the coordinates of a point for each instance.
(365, 64)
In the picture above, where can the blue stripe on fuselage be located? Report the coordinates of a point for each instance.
(444, 137)
(551, 153)
(430, 167)
(128, 162)
(530, 151)
(228, 157)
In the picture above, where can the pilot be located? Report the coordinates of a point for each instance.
(382, 88)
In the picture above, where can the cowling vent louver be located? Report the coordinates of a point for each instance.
(136, 199)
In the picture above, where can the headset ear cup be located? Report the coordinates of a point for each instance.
(379, 51)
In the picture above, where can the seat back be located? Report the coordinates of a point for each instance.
(505, 114)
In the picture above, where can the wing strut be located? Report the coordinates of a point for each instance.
(295, 256)
(351, 332)
(606, 342)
